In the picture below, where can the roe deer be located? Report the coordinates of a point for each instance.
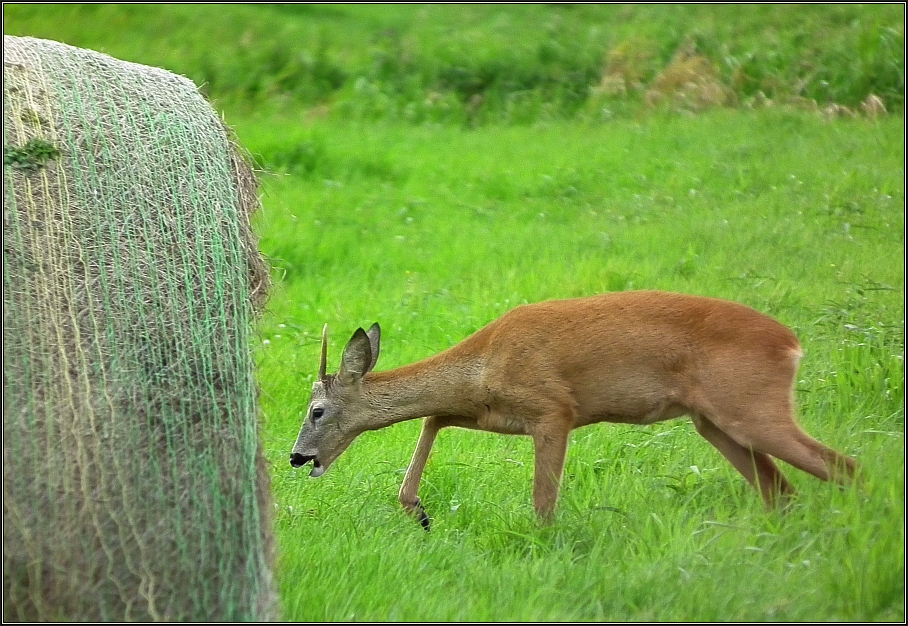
(543, 369)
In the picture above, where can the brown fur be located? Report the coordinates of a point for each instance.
(543, 369)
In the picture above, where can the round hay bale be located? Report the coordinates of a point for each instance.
(134, 486)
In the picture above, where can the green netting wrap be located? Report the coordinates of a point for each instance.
(134, 487)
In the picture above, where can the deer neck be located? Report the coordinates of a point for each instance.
(439, 385)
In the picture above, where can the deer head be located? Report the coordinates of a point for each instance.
(335, 414)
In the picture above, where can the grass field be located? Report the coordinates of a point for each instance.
(433, 232)
(435, 226)
(493, 63)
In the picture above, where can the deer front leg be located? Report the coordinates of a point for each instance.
(550, 443)
(410, 488)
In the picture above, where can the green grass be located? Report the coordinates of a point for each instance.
(394, 195)
(434, 231)
(488, 63)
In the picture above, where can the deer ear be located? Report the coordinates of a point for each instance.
(374, 334)
(357, 357)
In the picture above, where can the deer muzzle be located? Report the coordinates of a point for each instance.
(298, 460)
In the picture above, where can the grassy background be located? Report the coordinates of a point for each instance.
(431, 167)
(434, 232)
(492, 63)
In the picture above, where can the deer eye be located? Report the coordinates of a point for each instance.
(317, 412)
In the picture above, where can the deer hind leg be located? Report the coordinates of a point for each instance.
(792, 445)
(770, 428)
(408, 495)
(757, 467)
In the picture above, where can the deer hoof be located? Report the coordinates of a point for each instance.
(422, 515)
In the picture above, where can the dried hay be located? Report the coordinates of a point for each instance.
(626, 66)
(689, 83)
(134, 487)
(873, 106)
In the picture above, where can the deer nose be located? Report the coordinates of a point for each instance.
(298, 460)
